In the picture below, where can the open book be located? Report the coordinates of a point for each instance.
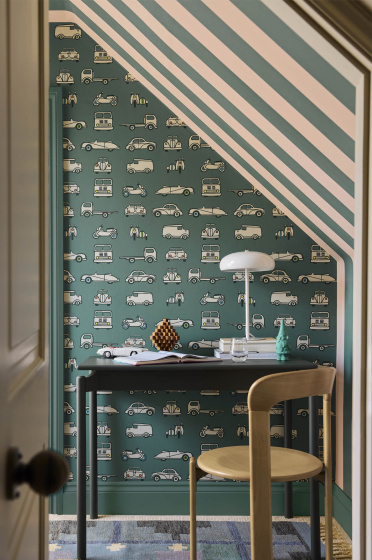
(163, 357)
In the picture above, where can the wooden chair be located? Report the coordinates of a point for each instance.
(262, 464)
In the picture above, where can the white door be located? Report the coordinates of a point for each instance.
(23, 266)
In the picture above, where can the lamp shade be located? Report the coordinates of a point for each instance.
(247, 260)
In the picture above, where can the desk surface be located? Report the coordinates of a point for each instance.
(108, 375)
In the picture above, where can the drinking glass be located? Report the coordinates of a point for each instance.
(239, 349)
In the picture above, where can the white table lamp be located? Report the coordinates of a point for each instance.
(249, 261)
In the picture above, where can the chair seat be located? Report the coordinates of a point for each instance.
(233, 463)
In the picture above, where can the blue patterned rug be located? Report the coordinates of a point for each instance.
(155, 539)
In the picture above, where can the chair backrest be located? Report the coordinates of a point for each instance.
(289, 385)
(263, 394)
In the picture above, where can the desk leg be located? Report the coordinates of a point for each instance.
(288, 496)
(314, 484)
(93, 454)
(81, 468)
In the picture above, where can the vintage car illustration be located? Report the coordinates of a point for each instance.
(185, 323)
(166, 474)
(176, 254)
(135, 210)
(176, 431)
(277, 432)
(70, 451)
(208, 431)
(172, 143)
(139, 408)
(71, 188)
(70, 99)
(71, 165)
(164, 191)
(239, 276)
(196, 344)
(134, 190)
(209, 165)
(102, 166)
(68, 343)
(195, 143)
(287, 256)
(203, 211)
(319, 298)
(129, 454)
(285, 298)
(99, 145)
(105, 409)
(248, 210)
(183, 455)
(67, 408)
(210, 232)
(240, 408)
(67, 210)
(305, 278)
(101, 56)
(64, 77)
(277, 409)
(277, 212)
(248, 232)
(108, 232)
(140, 298)
(70, 429)
(102, 298)
(216, 298)
(171, 409)
(71, 297)
(140, 166)
(178, 298)
(109, 278)
(74, 124)
(78, 257)
(175, 121)
(134, 474)
(250, 190)
(135, 342)
(67, 31)
(109, 99)
(71, 320)
(211, 187)
(319, 320)
(140, 276)
(137, 322)
(175, 232)
(69, 54)
(287, 319)
(167, 210)
(68, 145)
(139, 430)
(275, 276)
(171, 276)
(129, 78)
(140, 144)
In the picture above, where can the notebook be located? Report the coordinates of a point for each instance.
(163, 357)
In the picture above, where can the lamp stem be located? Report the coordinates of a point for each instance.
(247, 304)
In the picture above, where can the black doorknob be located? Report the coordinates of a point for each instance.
(46, 472)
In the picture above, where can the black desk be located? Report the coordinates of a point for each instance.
(105, 375)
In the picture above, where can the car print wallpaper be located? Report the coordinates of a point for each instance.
(149, 211)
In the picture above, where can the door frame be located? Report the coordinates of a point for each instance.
(56, 327)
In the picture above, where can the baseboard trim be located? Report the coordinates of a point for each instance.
(143, 499)
(342, 509)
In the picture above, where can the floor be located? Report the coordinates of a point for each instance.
(342, 545)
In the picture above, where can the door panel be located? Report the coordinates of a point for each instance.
(23, 278)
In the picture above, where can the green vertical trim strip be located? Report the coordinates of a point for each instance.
(342, 511)
(56, 282)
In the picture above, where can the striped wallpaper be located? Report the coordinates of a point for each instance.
(272, 97)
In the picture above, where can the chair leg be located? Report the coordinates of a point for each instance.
(193, 544)
(328, 515)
